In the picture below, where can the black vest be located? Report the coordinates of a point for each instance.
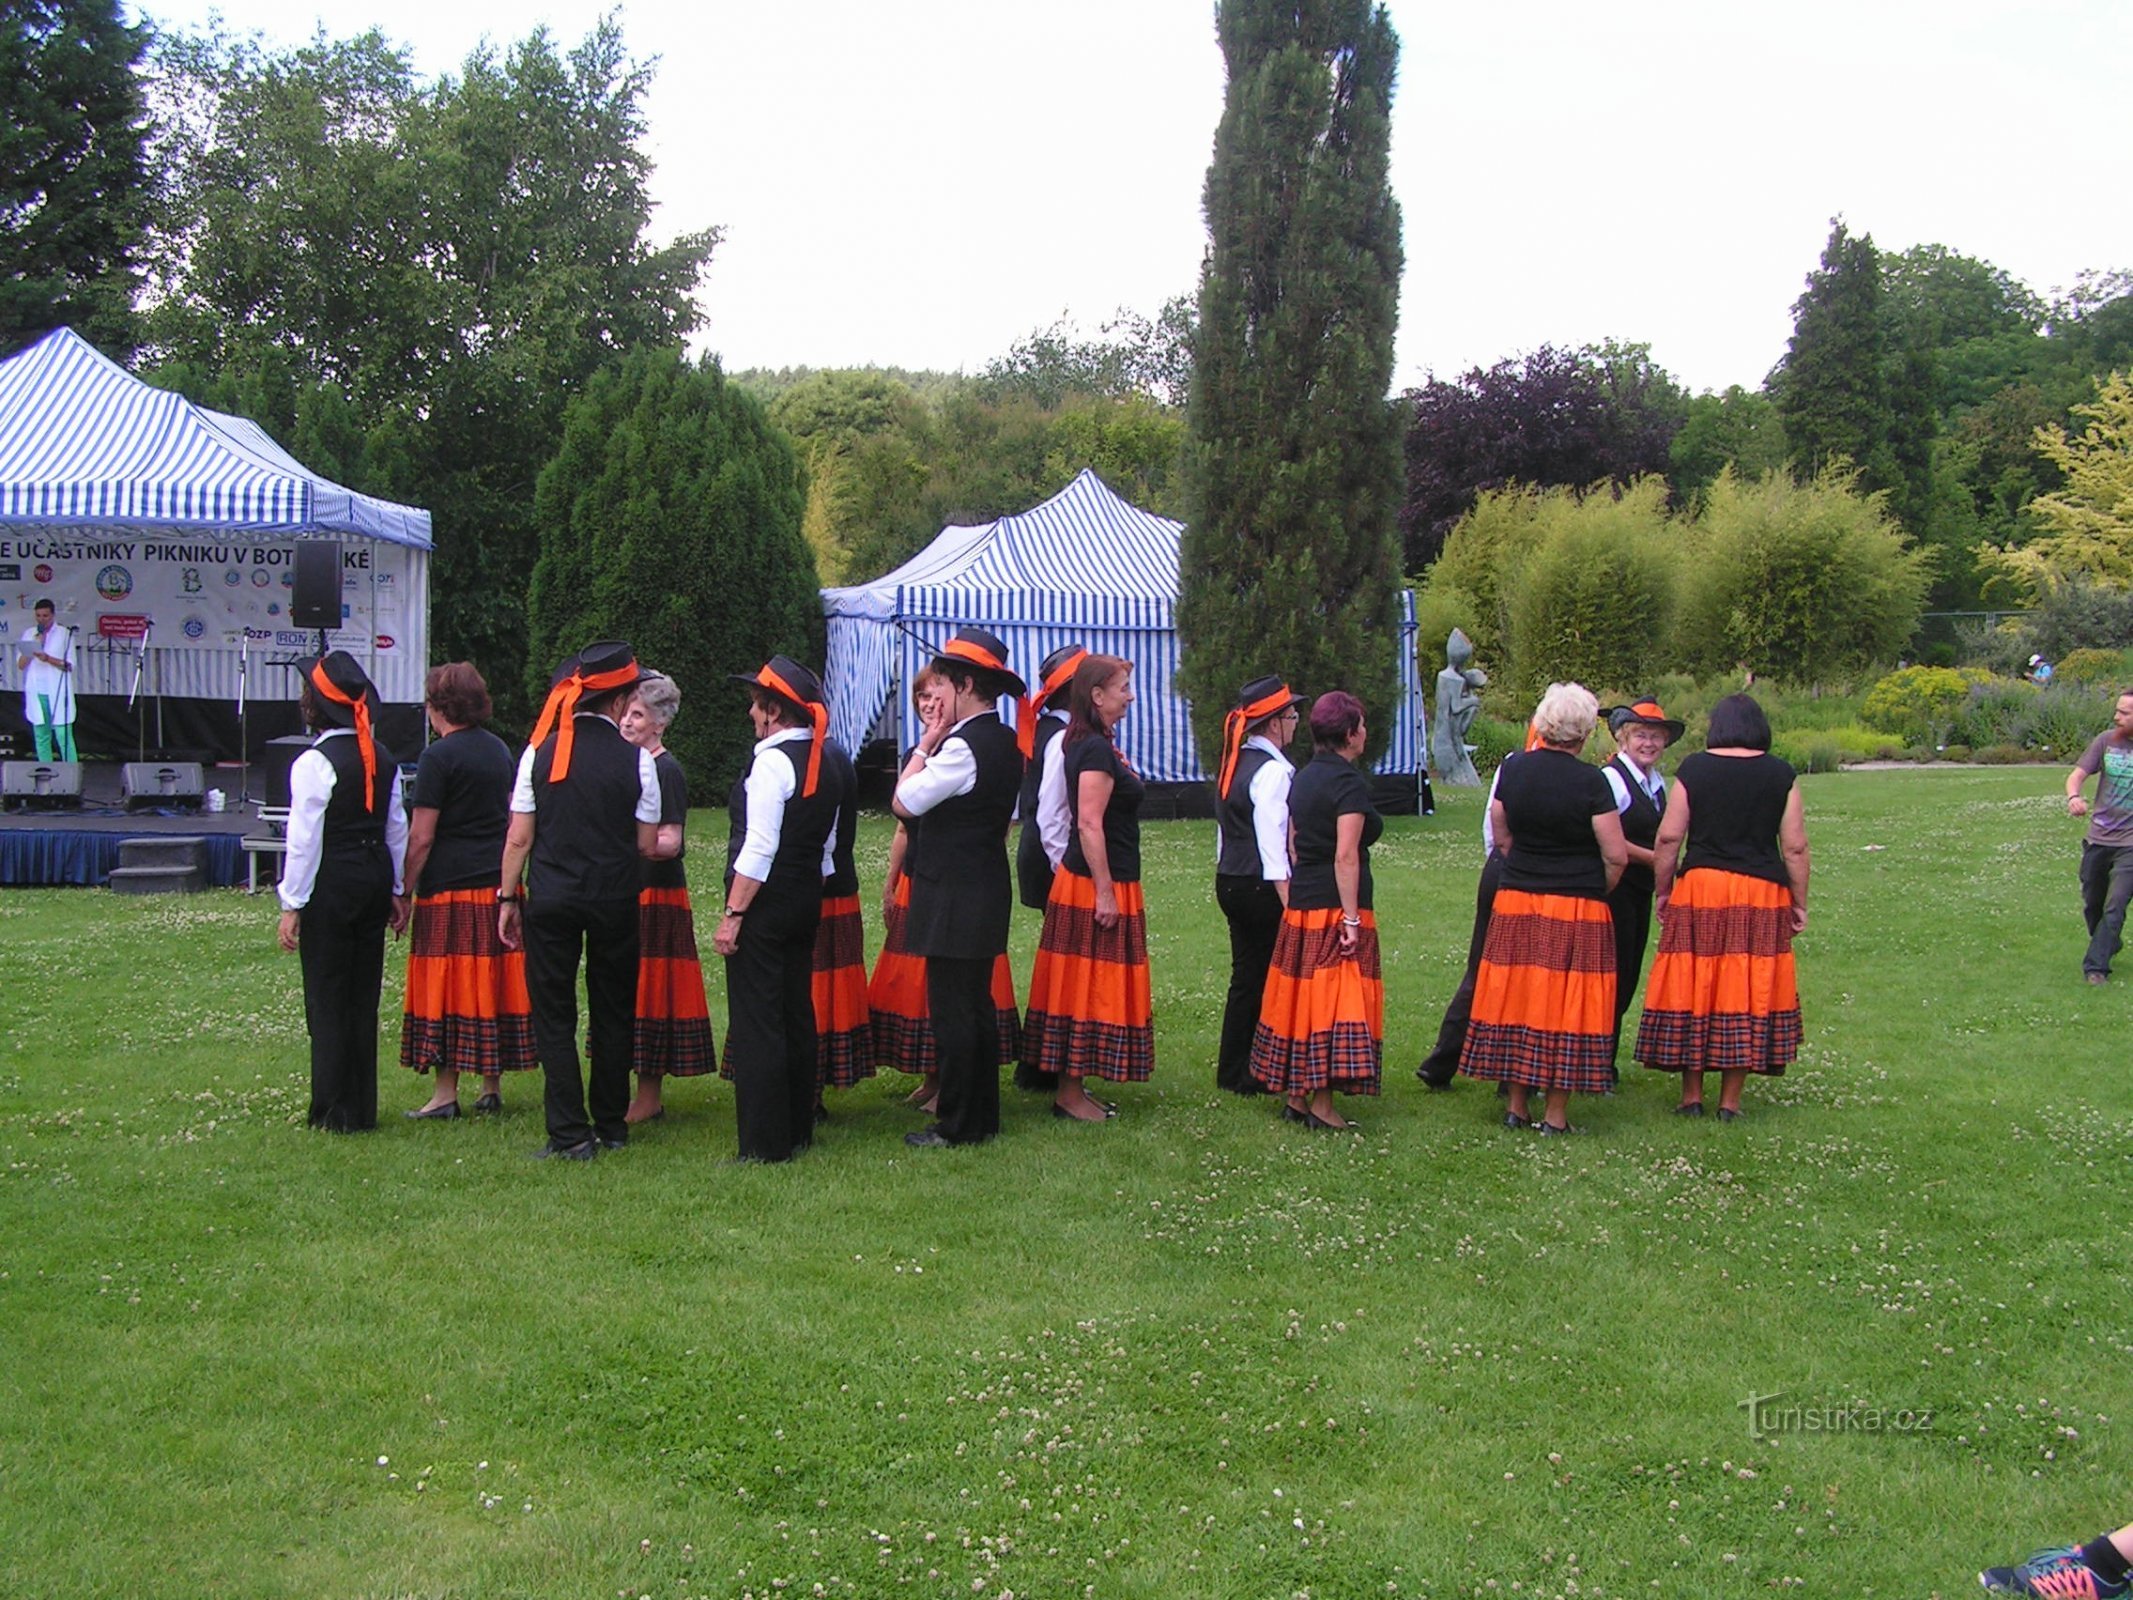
(961, 892)
(1640, 826)
(585, 828)
(1238, 850)
(1033, 868)
(842, 780)
(347, 821)
(796, 865)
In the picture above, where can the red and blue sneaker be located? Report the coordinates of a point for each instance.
(2052, 1575)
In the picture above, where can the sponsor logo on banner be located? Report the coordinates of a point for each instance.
(285, 637)
(123, 624)
(261, 577)
(114, 582)
(189, 580)
(10, 572)
(232, 577)
(42, 572)
(196, 627)
(385, 641)
(288, 580)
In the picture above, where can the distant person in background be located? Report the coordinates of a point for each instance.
(341, 886)
(2040, 671)
(45, 658)
(671, 1034)
(467, 1008)
(1724, 996)
(2098, 1570)
(1252, 860)
(2107, 849)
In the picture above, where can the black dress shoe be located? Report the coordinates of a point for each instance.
(606, 1143)
(927, 1139)
(444, 1113)
(568, 1152)
(489, 1105)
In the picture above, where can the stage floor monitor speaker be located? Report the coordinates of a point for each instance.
(315, 598)
(46, 783)
(162, 783)
(277, 756)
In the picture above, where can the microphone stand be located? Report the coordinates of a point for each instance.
(133, 695)
(244, 723)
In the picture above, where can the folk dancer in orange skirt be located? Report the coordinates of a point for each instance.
(1724, 997)
(1322, 1012)
(1252, 860)
(467, 1008)
(1090, 1009)
(896, 994)
(844, 1034)
(672, 1038)
(1544, 999)
(1043, 804)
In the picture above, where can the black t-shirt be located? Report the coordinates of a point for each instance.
(1327, 789)
(1735, 806)
(673, 807)
(1549, 799)
(1122, 816)
(466, 778)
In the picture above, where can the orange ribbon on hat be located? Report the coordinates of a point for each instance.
(561, 712)
(1648, 711)
(360, 704)
(1026, 708)
(1233, 726)
(817, 714)
(1026, 724)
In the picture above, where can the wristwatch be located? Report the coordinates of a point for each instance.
(504, 899)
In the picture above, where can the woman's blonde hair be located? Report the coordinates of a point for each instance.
(1566, 715)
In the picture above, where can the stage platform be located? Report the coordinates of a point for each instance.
(79, 846)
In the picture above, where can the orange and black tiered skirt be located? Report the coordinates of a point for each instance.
(896, 999)
(1723, 995)
(1322, 1015)
(1090, 1013)
(844, 1039)
(467, 1009)
(673, 1022)
(1544, 998)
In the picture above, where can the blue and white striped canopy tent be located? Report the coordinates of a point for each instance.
(1083, 567)
(92, 461)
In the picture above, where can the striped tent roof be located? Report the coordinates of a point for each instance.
(84, 443)
(1084, 567)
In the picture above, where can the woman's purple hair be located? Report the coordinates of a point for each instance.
(1335, 715)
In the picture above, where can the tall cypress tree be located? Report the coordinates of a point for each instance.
(1293, 462)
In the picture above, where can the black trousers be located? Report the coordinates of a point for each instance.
(966, 1034)
(1631, 907)
(604, 933)
(341, 947)
(1252, 907)
(1441, 1065)
(770, 1028)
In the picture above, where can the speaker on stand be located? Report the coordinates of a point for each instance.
(315, 599)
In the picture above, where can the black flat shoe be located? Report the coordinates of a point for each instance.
(1694, 1108)
(1512, 1119)
(1728, 1116)
(1318, 1124)
(568, 1152)
(1291, 1113)
(1550, 1130)
(1061, 1111)
(614, 1144)
(929, 1139)
(444, 1113)
(489, 1105)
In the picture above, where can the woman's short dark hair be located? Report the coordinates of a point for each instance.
(773, 704)
(1738, 723)
(1335, 715)
(456, 692)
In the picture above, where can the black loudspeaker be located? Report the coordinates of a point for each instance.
(316, 600)
(278, 757)
(173, 783)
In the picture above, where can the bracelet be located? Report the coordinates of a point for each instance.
(1351, 922)
(503, 899)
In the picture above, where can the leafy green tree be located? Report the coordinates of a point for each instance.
(74, 187)
(1484, 555)
(670, 517)
(1738, 429)
(2088, 522)
(1291, 557)
(1132, 356)
(455, 259)
(1801, 582)
(1594, 601)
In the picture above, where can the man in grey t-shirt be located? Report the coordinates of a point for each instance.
(2107, 850)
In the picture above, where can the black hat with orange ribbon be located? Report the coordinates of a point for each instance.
(975, 647)
(1647, 712)
(599, 670)
(346, 698)
(796, 687)
(1256, 701)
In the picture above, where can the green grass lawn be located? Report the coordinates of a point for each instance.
(1192, 1352)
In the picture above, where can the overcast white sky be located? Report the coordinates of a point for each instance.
(921, 182)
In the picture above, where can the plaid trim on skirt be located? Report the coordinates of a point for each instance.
(673, 1038)
(1723, 995)
(1322, 1015)
(896, 998)
(1090, 1010)
(844, 1038)
(1544, 997)
(467, 1008)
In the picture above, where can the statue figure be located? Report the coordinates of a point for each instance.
(1458, 703)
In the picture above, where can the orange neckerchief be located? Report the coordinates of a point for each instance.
(817, 713)
(1026, 724)
(1233, 727)
(561, 712)
(360, 704)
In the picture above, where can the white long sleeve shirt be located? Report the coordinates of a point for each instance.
(311, 784)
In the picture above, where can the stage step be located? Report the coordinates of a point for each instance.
(163, 863)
